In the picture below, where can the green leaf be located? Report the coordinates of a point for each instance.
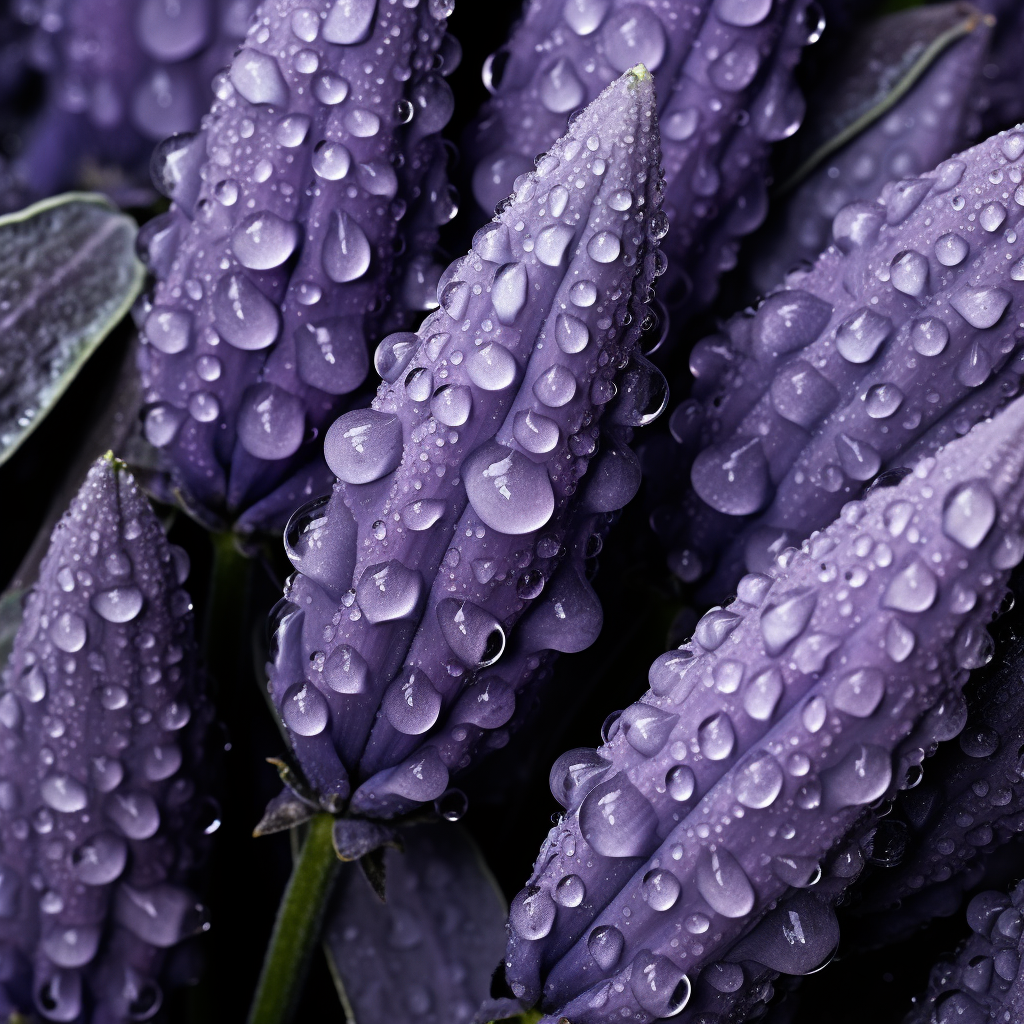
(882, 63)
(10, 621)
(68, 274)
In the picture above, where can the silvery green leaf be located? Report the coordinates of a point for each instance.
(882, 63)
(68, 274)
(428, 953)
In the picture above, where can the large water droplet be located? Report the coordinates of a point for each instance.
(951, 250)
(802, 395)
(263, 240)
(508, 291)
(882, 400)
(908, 273)
(508, 492)
(363, 445)
(860, 461)
(669, 675)
(451, 404)
(912, 589)
(331, 354)
(63, 793)
(968, 513)
(491, 367)
(532, 913)
(633, 35)
(574, 774)
(717, 737)
(858, 338)
(161, 915)
(119, 604)
(604, 247)
(762, 694)
(474, 635)
(68, 632)
(271, 421)
(555, 387)
(742, 13)
(980, 307)
(714, 627)
(859, 693)
(647, 727)
(570, 891)
(345, 671)
(605, 945)
(389, 591)
(330, 89)
(100, 859)
(784, 621)
(243, 315)
(680, 782)
(571, 333)
(349, 21)
(617, 820)
(861, 777)
(170, 32)
(660, 889)
(561, 90)
(304, 709)
(551, 245)
(732, 477)
(136, 814)
(724, 884)
(735, 69)
(71, 947)
(331, 160)
(346, 250)
(760, 782)
(537, 434)
(168, 330)
(257, 78)
(411, 703)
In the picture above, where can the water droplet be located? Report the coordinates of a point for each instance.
(860, 461)
(882, 400)
(451, 404)
(532, 913)
(981, 307)
(660, 889)
(724, 884)
(669, 675)
(411, 703)
(331, 160)
(814, 714)
(617, 820)
(100, 860)
(508, 492)
(537, 434)
(474, 635)
(68, 632)
(968, 513)
(243, 315)
(508, 291)
(908, 273)
(859, 693)
(304, 709)
(859, 337)
(633, 35)
(330, 89)
(113, 697)
(783, 621)
(271, 421)
(861, 777)
(161, 915)
(63, 793)
(161, 762)
(555, 387)
(759, 782)
(346, 250)
(680, 782)
(799, 872)
(742, 13)
(136, 814)
(257, 78)
(389, 591)
(119, 604)
(363, 445)
(802, 395)
(583, 294)
(560, 89)
(735, 69)
(175, 715)
(974, 368)
(71, 947)
(716, 737)
(732, 477)
(168, 330)
(349, 21)
(763, 694)
(647, 727)
(570, 891)
(899, 641)
(604, 247)
(491, 367)
(951, 250)
(584, 16)
(605, 945)
(551, 245)
(345, 671)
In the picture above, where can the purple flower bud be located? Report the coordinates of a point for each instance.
(103, 723)
(478, 466)
(766, 737)
(433, 945)
(929, 123)
(274, 264)
(120, 77)
(902, 336)
(983, 983)
(724, 72)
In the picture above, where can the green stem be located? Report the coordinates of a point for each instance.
(225, 636)
(297, 928)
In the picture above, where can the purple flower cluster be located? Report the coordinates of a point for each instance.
(102, 735)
